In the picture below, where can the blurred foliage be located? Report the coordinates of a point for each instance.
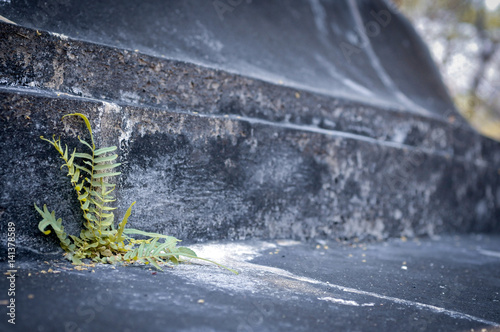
(469, 31)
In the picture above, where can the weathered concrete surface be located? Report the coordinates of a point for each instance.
(361, 50)
(223, 156)
(215, 177)
(446, 284)
(42, 61)
(213, 155)
(313, 149)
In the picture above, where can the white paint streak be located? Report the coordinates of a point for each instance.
(237, 256)
(59, 35)
(111, 107)
(489, 253)
(346, 302)
(130, 97)
(311, 128)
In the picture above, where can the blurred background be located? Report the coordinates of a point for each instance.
(464, 39)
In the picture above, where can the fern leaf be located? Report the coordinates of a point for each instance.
(187, 251)
(106, 193)
(105, 166)
(108, 221)
(148, 234)
(65, 155)
(87, 123)
(153, 262)
(86, 205)
(108, 208)
(157, 250)
(90, 217)
(71, 160)
(49, 219)
(109, 234)
(154, 242)
(75, 260)
(85, 143)
(76, 176)
(100, 151)
(80, 186)
(172, 241)
(104, 175)
(93, 245)
(77, 240)
(87, 234)
(83, 169)
(83, 155)
(98, 184)
(121, 226)
(106, 158)
(83, 196)
(103, 200)
(140, 251)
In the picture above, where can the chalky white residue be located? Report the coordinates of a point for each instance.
(59, 35)
(489, 253)
(346, 302)
(257, 278)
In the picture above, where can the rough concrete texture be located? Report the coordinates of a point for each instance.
(445, 284)
(216, 154)
(361, 50)
(213, 155)
(42, 61)
(205, 177)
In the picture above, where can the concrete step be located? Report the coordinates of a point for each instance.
(249, 125)
(444, 284)
(212, 155)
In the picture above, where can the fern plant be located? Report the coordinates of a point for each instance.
(99, 239)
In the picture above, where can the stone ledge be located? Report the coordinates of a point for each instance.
(448, 284)
(201, 177)
(53, 63)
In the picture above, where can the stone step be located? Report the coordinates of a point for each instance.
(205, 177)
(445, 284)
(209, 154)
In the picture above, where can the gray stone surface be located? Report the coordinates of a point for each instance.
(251, 126)
(354, 49)
(212, 155)
(445, 284)
(215, 177)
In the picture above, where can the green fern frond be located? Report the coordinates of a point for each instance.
(121, 227)
(99, 240)
(49, 219)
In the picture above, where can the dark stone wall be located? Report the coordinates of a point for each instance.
(362, 50)
(212, 155)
